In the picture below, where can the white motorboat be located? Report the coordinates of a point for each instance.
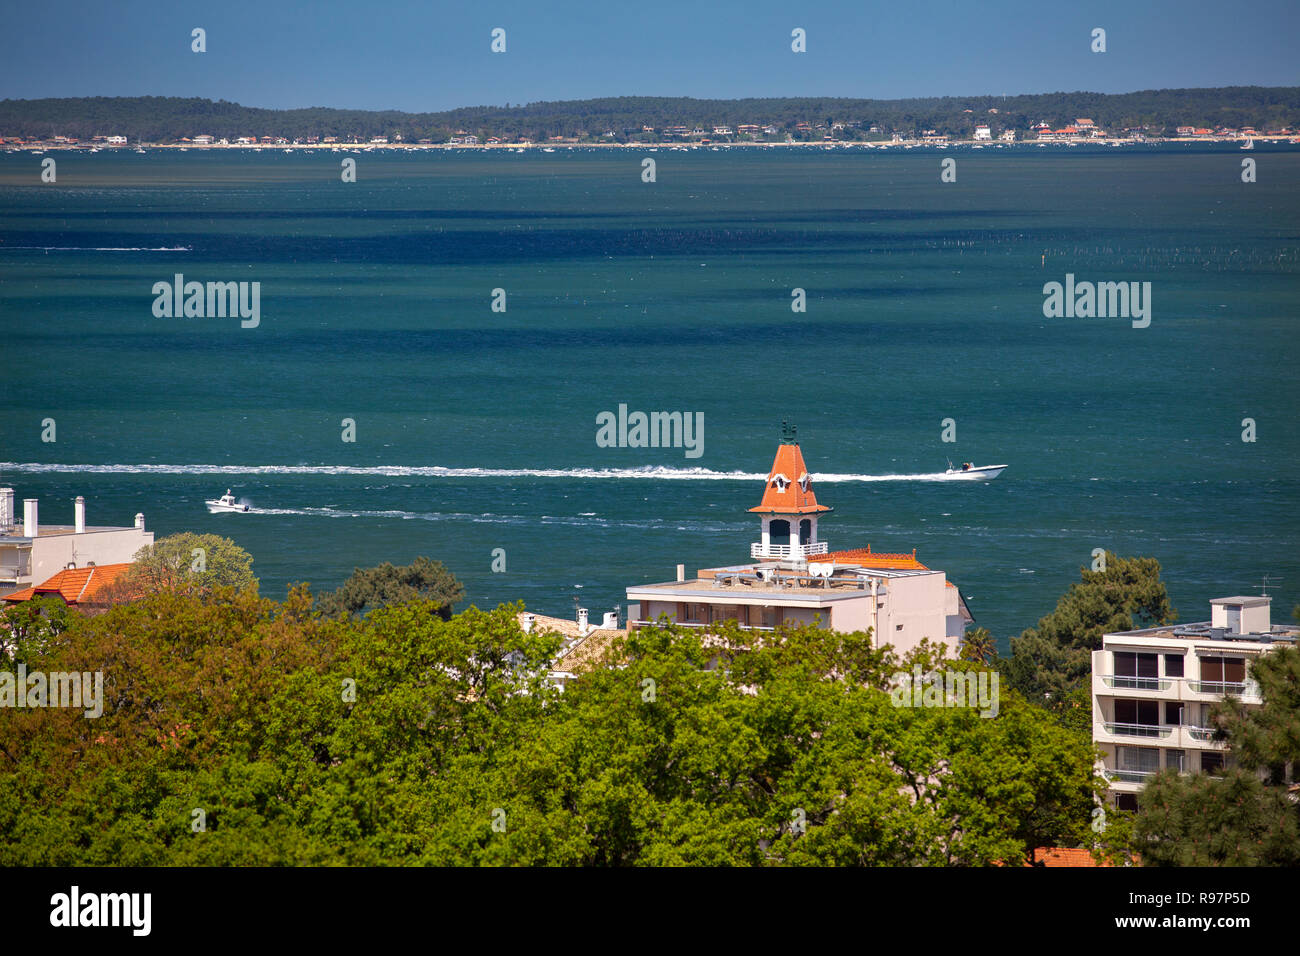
(226, 502)
(971, 472)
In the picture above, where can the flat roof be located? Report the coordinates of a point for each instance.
(1244, 601)
(707, 587)
(52, 530)
(1200, 631)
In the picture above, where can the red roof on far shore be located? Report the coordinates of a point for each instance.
(74, 585)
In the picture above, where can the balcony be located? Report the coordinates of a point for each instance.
(1138, 730)
(1202, 734)
(787, 551)
(1220, 688)
(1120, 681)
(1129, 776)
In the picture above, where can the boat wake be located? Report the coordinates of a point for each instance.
(583, 520)
(103, 248)
(649, 472)
(652, 473)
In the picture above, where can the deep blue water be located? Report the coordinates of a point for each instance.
(924, 303)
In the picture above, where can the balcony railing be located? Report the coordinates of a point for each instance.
(1201, 733)
(1247, 688)
(1135, 683)
(756, 550)
(1130, 776)
(1138, 730)
(1225, 688)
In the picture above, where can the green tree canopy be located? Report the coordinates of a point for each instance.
(404, 737)
(202, 562)
(422, 579)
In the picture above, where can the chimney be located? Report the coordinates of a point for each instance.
(526, 623)
(611, 621)
(582, 621)
(30, 524)
(6, 509)
(79, 514)
(139, 520)
(681, 572)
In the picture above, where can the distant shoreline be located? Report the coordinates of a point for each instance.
(667, 145)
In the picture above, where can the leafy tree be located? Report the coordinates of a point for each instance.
(422, 579)
(187, 561)
(31, 624)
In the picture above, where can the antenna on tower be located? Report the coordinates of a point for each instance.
(1263, 588)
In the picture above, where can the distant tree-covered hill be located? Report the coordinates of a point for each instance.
(162, 119)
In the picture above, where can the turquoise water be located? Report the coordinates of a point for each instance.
(924, 303)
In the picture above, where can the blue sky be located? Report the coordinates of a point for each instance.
(432, 55)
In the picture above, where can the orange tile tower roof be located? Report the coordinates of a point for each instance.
(74, 585)
(789, 486)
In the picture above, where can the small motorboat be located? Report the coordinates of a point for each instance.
(226, 502)
(972, 472)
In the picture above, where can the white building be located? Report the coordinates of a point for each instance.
(31, 553)
(795, 578)
(1152, 691)
(983, 133)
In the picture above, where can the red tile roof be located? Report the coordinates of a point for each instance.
(1063, 856)
(74, 585)
(875, 559)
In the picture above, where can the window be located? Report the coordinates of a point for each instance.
(1211, 762)
(1145, 712)
(1139, 759)
(1174, 712)
(1126, 801)
(1223, 670)
(1137, 670)
(1176, 760)
(1173, 665)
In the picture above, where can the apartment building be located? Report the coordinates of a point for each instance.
(1152, 691)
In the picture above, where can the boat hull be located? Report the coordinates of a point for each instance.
(216, 507)
(983, 473)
